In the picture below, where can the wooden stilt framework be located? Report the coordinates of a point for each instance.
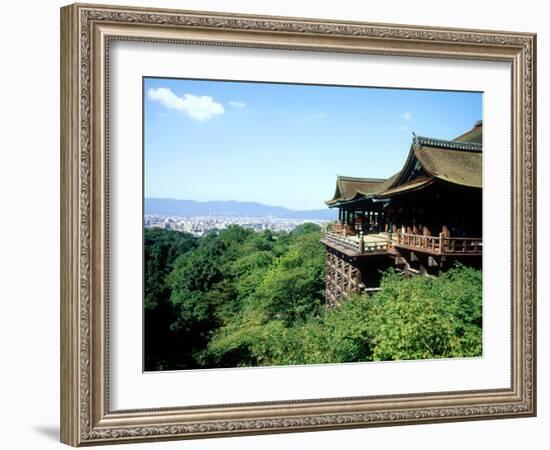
(342, 278)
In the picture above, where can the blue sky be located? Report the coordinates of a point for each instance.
(284, 144)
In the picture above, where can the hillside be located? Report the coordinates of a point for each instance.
(168, 206)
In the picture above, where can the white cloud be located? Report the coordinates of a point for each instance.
(201, 108)
(407, 115)
(236, 104)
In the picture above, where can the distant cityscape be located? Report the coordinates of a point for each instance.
(200, 225)
(198, 218)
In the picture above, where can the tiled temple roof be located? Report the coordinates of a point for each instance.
(457, 161)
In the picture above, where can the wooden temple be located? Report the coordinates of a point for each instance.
(419, 221)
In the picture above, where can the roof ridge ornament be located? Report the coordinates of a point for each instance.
(360, 179)
(415, 139)
(442, 143)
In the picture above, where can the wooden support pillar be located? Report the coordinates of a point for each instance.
(349, 279)
(345, 223)
(342, 271)
(441, 242)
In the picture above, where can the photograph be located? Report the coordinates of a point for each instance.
(291, 224)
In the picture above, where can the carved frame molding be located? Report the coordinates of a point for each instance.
(86, 31)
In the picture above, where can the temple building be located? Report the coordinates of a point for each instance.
(419, 221)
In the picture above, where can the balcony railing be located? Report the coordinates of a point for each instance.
(462, 245)
(419, 241)
(357, 245)
(436, 245)
(440, 244)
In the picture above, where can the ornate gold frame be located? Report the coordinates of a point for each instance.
(86, 31)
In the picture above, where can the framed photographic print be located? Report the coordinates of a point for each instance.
(275, 224)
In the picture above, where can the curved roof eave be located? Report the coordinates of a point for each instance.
(410, 186)
(463, 168)
(347, 188)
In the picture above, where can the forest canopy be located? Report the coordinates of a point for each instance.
(240, 298)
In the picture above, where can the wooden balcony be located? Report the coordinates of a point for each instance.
(343, 229)
(440, 245)
(381, 243)
(368, 244)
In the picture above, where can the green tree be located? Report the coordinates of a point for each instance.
(292, 288)
(194, 297)
(161, 248)
(236, 298)
(422, 318)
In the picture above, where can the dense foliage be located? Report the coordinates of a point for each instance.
(241, 298)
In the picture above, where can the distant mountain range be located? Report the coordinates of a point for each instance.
(173, 207)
